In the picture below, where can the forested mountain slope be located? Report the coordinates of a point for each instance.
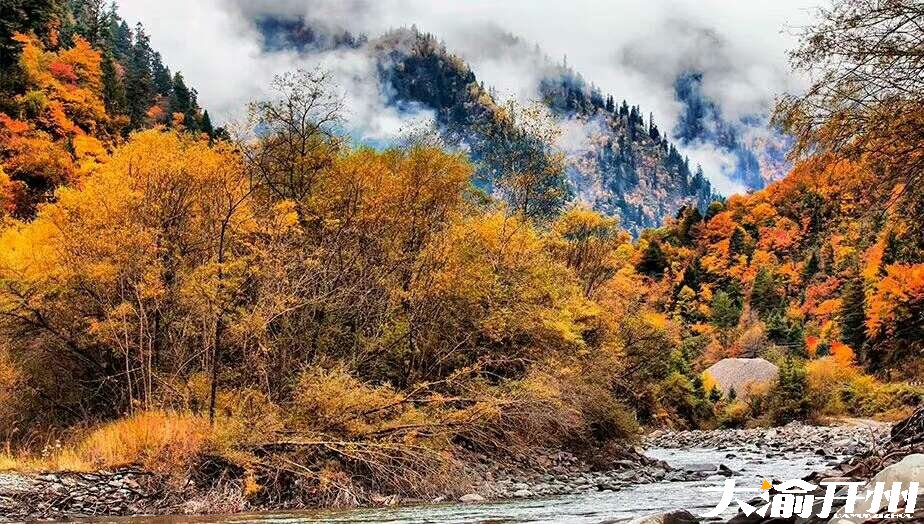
(622, 165)
(77, 79)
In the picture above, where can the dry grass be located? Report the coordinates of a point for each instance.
(161, 441)
(157, 440)
(7, 462)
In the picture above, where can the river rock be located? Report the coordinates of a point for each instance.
(522, 493)
(909, 469)
(679, 516)
(471, 497)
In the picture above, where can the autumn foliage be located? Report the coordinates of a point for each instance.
(286, 297)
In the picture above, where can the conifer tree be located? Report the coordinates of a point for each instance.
(852, 314)
(740, 243)
(205, 124)
(653, 261)
(725, 312)
(139, 86)
(161, 75)
(120, 37)
(765, 294)
(113, 90)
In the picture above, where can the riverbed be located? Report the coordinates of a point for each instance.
(749, 466)
(678, 470)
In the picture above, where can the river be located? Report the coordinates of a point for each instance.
(750, 467)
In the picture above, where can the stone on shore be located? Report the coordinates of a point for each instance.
(471, 497)
(679, 516)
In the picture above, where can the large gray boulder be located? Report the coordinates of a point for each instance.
(908, 469)
(739, 373)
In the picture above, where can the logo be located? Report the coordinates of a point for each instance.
(804, 499)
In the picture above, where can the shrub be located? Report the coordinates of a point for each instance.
(827, 379)
(788, 397)
(735, 415)
(161, 441)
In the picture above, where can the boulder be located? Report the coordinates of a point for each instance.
(471, 497)
(908, 469)
(678, 516)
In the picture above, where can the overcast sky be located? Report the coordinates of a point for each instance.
(632, 49)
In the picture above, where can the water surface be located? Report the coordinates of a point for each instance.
(750, 467)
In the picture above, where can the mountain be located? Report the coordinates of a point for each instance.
(616, 163)
(757, 153)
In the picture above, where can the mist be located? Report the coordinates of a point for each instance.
(633, 50)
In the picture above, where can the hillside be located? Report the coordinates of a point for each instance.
(291, 318)
(77, 80)
(621, 165)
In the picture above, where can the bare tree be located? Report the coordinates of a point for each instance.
(295, 134)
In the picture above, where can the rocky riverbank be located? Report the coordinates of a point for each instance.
(540, 473)
(831, 441)
(897, 457)
(68, 494)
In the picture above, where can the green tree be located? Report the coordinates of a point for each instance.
(161, 75)
(113, 90)
(740, 243)
(139, 85)
(725, 310)
(715, 207)
(853, 315)
(120, 38)
(205, 124)
(766, 296)
(789, 397)
(653, 261)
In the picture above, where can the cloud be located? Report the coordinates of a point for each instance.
(631, 49)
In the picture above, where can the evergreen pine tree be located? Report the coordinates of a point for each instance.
(89, 20)
(161, 76)
(181, 97)
(113, 90)
(740, 243)
(725, 312)
(811, 267)
(790, 395)
(653, 261)
(205, 124)
(139, 85)
(766, 297)
(852, 314)
(119, 37)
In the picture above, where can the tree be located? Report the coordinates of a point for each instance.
(653, 261)
(766, 296)
(740, 243)
(89, 20)
(33, 17)
(113, 90)
(531, 171)
(789, 397)
(586, 241)
(139, 82)
(205, 124)
(867, 95)
(120, 37)
(725, 312)
(296, 137)
(160, 76)
(183, 102)
(852, 313)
